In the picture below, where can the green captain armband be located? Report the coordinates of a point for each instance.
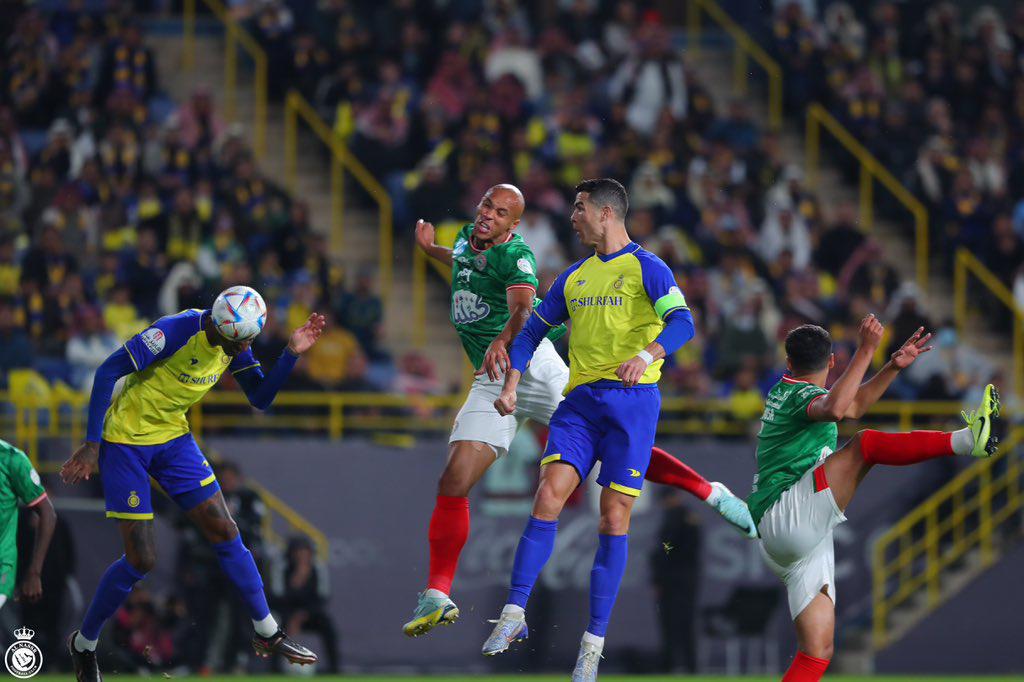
(673, 300)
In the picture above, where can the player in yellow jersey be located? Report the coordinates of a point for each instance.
(627, 314)
(169, 367)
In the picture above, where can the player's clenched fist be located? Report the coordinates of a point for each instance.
(870, 333)
(506, 403)
(631, 371)
(424, 234)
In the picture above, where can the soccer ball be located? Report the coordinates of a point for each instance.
(239, 313)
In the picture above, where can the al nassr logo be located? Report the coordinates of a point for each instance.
(23, 658)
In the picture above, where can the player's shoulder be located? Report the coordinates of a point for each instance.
(568, 272)
(790, 389)
(176, 328)
(649, 260)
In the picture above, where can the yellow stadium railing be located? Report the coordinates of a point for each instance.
(967, 264)
(235, 38)
(913, 559)
(871, 171)
(746, 50)
(298, 109)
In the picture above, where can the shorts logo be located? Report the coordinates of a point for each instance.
(154, 340)
(133, 500)
(524, 266)
(634, 473)
(23, 658)
(618, 283)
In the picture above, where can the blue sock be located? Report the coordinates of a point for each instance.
(533, 552)
(238, 564)
(605, 578)
(114, 587)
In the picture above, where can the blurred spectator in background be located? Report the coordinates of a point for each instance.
(675, 576)
(302, 594)
(145, 634)
(361, 312)
(90, 344)
(17, 348)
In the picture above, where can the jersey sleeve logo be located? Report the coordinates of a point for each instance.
(524, 266)
(154, 339)
(467, 307)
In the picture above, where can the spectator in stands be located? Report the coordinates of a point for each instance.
(302, 597)
(339, 363)
(90, 344)
(651, 81)
(17, 348)
(361, 312)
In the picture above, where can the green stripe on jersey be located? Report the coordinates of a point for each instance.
(670, 301)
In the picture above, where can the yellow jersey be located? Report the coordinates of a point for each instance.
(616, 304)
(175, 366)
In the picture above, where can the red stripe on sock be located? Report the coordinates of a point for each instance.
(806, 668)
(667, 470)
(820, 482)
(449, 530)
(900, 449)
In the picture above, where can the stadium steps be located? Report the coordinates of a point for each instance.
(360, 249)
(714, 65)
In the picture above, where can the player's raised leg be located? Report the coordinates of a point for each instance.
(215, 522)
(557, 482)
(468, 461)
(667, 470)
(847, 467)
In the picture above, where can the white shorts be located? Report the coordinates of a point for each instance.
(539, 393)
(796, 539)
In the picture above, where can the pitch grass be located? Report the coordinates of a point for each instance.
(531, 678)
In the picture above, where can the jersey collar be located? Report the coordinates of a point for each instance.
(786, 379)
(628, 248)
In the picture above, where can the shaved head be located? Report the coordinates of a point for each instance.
(516, 201)
(498, 214)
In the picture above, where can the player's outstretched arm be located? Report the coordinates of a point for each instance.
(425, 240)
(833, 406)
(32, 585)
(496, 359)
(871, 391)
(82, 462)
(261, 390)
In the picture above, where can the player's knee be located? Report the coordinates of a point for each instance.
(614, 521)
(222, 530)
(142, 557)
(547, 504)
(822, 648)
(453, 483)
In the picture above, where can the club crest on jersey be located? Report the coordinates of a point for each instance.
(480, 262)
(133, 500)
(618, 283)
(467, 308)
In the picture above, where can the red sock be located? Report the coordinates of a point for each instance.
(449, 529)
(899, 449)
(805, 668)
(667, 470)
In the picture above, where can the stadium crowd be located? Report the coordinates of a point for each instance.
(118, 205)
(447, 102)
(936, 92)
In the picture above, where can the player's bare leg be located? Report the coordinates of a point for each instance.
(847, 467)
(815, 632)
(467, 462)
(140, 556)
(215, 522)
(558, 480)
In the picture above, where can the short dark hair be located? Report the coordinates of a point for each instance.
(606, 192)
(808, 348)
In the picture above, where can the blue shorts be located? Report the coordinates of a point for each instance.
(178, 466)
(606, 422)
